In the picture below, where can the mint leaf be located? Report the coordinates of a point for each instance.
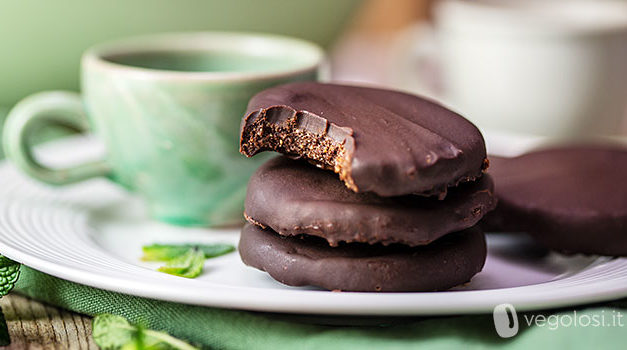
(166, 252)
(185, 260)
(144, 342)
(9, 273)
(188, 265)
(163, 252)
(215, 250)
(111, 332)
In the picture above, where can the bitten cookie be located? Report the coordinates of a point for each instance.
(380, 141)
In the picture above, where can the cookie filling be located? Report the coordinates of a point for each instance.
(300, 134)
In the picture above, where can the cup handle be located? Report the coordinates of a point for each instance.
(41, 110)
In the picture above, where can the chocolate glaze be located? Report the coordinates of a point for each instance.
(381, 141)
(293, 197)
(305, 260)
(572, 199)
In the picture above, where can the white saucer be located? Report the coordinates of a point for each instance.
(92, 233)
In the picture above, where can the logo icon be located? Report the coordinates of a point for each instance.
(505, 320)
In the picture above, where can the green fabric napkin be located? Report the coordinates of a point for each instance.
(231, 329)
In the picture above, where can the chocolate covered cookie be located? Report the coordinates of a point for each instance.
(292, 197)
(571, 199)
(380, 141)
(300, 261)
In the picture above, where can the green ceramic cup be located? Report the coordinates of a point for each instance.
(168, 108)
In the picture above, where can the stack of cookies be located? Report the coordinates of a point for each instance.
(378, 190)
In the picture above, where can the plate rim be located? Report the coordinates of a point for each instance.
(603, 291)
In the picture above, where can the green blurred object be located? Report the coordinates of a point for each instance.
(168, 108)
(42, 41)
(3, 115)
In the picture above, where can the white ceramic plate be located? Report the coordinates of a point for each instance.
(92, 233)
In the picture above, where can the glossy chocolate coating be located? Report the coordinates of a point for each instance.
(301, 261)
(292, 197)
(571, 199)
(390, 143)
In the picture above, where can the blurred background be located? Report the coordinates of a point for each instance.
(518, 69)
